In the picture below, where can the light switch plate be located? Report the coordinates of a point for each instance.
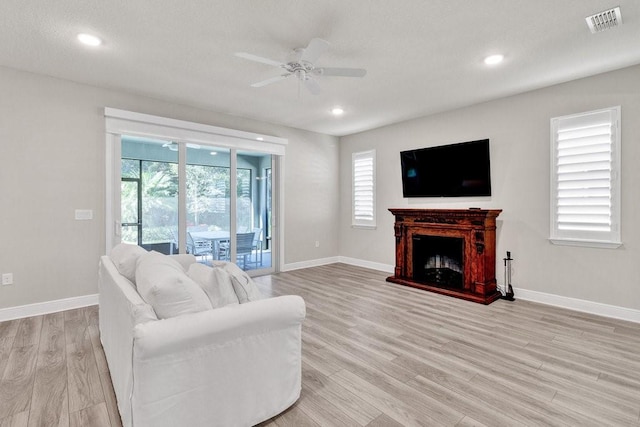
(84, 214)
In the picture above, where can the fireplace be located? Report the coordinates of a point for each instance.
(438, 261)
(449, 251)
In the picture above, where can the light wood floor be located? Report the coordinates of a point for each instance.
(374, 354)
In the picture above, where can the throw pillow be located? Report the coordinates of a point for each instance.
(245, 288)
(125, 257)
(215, 282)
(164, 285)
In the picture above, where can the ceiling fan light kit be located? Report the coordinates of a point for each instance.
(301, 64)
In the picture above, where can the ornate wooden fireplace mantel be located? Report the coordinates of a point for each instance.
(467, 261)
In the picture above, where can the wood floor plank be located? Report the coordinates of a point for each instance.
(408, 408)
(489, 415)
(351, 404)
(602, 413)
(28, 333)
(312, 379)
(6, 344)
(16, 385)
(110, 399)
(9, 328)
(91, 318)
(384, 421)
(542, 409)
(470, 422)
(357, 361)
(374, 354)
(295, 417)
(49, 405)
(94, 416)
(8, 331)
(324, 413)
(18, 420)
(85, 389)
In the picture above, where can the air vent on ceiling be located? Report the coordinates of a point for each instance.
(604, 20)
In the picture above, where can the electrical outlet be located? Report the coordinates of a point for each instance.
(317, 243)
(7, 278)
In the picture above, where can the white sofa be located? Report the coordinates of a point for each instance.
(232, 366)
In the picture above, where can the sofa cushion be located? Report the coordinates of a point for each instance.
(163, 284)
(125, 257)
(215, 282)
(244, 287)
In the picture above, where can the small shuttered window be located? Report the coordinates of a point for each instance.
(364, 188)
(585, 178)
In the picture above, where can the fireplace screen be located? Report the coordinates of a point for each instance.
(438, 261)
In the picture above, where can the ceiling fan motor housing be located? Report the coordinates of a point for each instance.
(300, 65)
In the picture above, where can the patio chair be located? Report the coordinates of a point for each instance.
(199, 248)
(244, 247)
(257, 244)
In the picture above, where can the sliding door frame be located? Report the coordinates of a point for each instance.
(121, 122)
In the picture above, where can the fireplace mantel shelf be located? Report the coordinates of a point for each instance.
(477, 230)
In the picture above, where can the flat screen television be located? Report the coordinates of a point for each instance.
(455, 170)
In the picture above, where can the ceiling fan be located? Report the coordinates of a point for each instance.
(301, 65)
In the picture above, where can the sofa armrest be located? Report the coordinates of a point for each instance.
(236, 365)
(217, 326)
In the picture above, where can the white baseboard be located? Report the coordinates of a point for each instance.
(310, 263)
(40, 308)
(345, 260)
(585, 306)
(367, 264)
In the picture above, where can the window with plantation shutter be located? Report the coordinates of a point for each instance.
(585, 179)
(364, 189)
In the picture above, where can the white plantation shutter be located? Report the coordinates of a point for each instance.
(585, 182)
(364, 188)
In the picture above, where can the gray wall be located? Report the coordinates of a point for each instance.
(518, 128)
(53, 161)
(52, 153)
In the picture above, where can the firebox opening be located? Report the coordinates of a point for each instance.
(438, 261)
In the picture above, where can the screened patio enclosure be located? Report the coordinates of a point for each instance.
(150, 200)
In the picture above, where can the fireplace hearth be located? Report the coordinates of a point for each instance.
(448, 251)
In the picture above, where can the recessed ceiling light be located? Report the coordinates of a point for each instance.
(213, 153)
(337, 111)
(89, 40)
(493, 59)
(260, 138)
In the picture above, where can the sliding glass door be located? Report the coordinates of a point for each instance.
(149, 195)
(208, 202)
(253, 210)
(218, 218)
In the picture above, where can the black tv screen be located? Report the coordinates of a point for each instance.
(455, 170)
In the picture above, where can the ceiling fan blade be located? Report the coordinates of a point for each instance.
(316, 48)
(312, 85)
(271, 80)
(340, 72)
(257, 58)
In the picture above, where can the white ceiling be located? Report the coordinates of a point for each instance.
(422, 56)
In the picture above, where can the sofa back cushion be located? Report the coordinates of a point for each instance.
(163, 283)
(125, 257)
(244, 287)
(215, 282)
